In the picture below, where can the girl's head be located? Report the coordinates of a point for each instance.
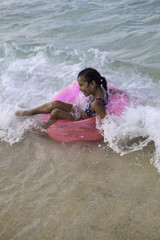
(90, 76)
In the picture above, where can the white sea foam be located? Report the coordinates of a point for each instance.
(33, 80)
(132, 131)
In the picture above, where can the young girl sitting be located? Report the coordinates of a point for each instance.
(92, 85)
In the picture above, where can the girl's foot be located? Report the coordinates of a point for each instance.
(22, 113)
(45, 125)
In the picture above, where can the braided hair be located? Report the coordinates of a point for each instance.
(90, 74)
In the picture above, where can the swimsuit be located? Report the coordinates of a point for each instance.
(91, 112)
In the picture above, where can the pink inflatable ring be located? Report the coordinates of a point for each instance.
(70, 131)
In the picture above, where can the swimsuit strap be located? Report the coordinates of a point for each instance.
(98, 98)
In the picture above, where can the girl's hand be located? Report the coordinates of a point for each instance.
(84, 115)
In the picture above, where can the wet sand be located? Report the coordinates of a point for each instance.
(79, 191)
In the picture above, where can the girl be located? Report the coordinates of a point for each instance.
(90, 82)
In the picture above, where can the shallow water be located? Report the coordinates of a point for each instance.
(50, 192)
(84, 190)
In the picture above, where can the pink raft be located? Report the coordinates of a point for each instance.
(70, 131)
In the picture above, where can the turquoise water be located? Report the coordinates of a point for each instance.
(103, 190)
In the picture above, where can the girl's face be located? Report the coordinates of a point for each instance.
(84, 87)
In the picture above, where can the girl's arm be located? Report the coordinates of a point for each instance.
(99, 108)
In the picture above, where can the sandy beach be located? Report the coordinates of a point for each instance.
(78, 191)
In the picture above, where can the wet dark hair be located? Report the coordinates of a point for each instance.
(91, 74)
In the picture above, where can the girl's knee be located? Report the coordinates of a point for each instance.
(56, 104)
(55, 113)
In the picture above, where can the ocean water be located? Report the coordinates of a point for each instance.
(43, 46)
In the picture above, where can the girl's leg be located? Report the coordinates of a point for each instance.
(46, 108)
(57, 114)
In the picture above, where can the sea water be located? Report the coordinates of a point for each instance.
(43, 46)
